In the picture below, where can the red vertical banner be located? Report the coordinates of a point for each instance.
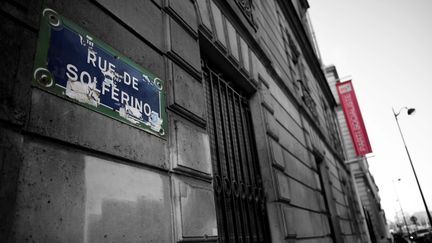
(353, 117)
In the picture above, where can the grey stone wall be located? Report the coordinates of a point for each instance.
(294, 137)
(70, 174)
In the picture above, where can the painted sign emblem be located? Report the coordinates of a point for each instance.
(76, 66)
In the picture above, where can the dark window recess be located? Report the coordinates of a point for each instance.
(246, 7)
(331, 126)
(239, 196)
(324, 188)
(352, 205)
(308, 100)
(295, 54)
(334, 135)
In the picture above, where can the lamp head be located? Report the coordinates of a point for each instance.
(411, 111)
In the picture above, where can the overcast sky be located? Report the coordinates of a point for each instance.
(386, 47)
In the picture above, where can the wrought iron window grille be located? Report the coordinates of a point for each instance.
(239, 194)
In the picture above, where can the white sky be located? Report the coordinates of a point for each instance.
(386, 46)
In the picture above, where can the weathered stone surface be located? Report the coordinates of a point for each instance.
(204, 13)
(285, 118)
(198, 215)
(186, 11)
(244, 54)
(283, 100)
(276, 218)
(298, 170)
(192, 148)
(61, 119)
(82, 176)
(272, 125)
(289, 142)
(305, 196)
(188, 92)
(144, 17)
(17, 48)
(232, 39)
(339, 197)
(342, 210)
(28, 12)
(268, 101)
(255, 65)
(346, 227)
(70, 196)
(184, 45)
(11, 143)
(218, 23)
(333, 170)
(283, 186)
(311, 223)
(277, 153)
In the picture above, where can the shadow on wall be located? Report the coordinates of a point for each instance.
(126, 221)
(65, 195)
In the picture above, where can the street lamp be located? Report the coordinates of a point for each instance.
(411, 111)
(400, 205)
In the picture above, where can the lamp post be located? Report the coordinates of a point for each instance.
(409, 112)
(400, 205)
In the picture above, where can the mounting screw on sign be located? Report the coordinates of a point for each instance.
(52, 16)
(158, 83)
(43, 77)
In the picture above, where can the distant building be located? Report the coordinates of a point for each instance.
(422, 219)
(237, 140)
(373, 216)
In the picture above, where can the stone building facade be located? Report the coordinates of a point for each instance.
(251, 152)
(373, 217)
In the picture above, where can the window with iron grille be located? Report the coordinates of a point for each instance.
(239, 196)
